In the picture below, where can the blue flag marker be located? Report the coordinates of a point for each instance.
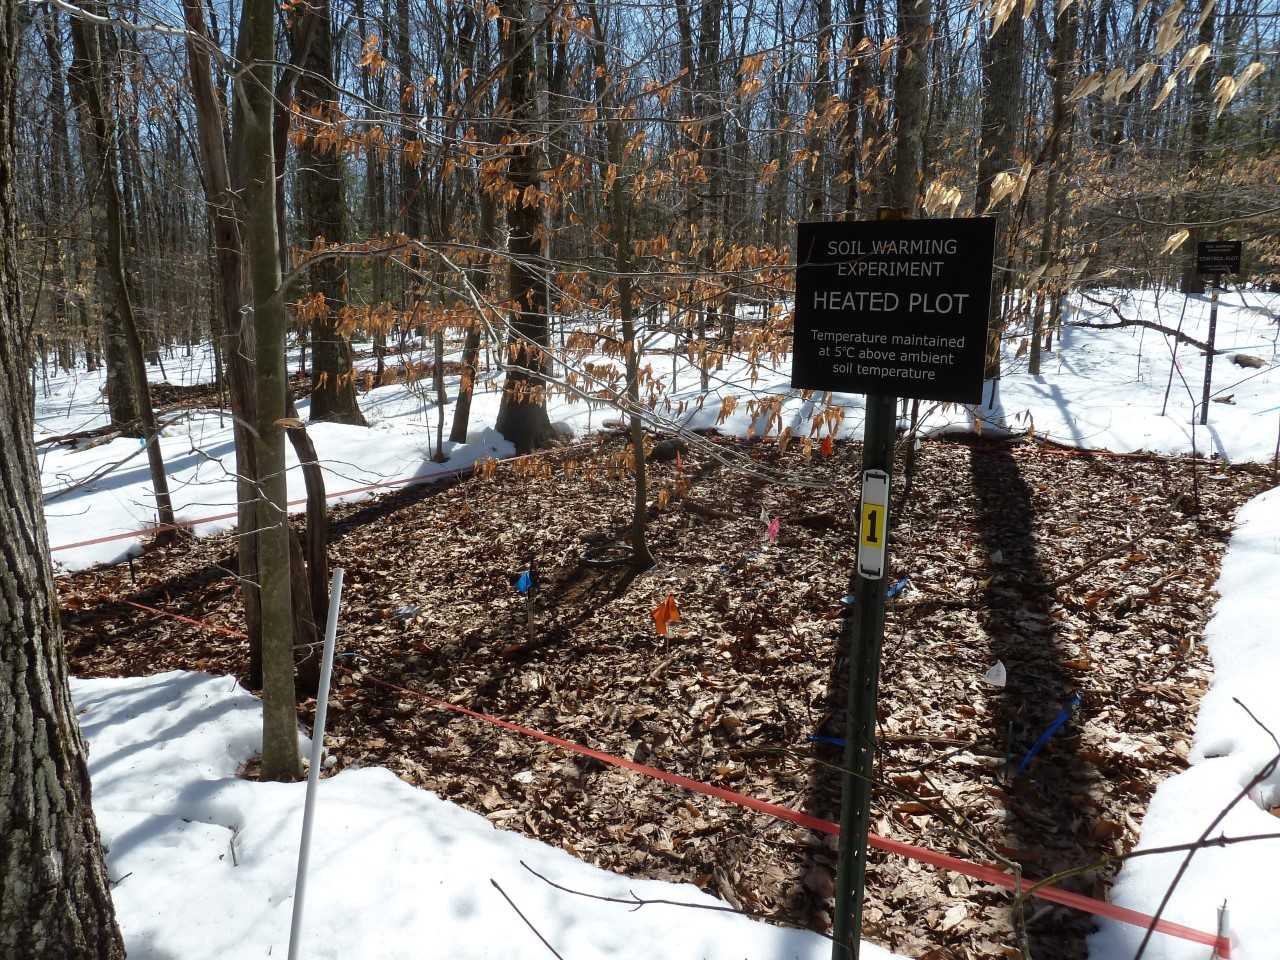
(525, 583)
(897, 588)
(1058, 722)
(820, 738)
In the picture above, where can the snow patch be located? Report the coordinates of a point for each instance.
(1230, 748)
(204, 863)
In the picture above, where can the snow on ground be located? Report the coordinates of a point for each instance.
(1104, 389)
(397, 868)
(204, 863)
(199, 456)
(1230, 748)
(1098, 388)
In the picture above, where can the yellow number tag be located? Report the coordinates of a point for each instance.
(872, 525)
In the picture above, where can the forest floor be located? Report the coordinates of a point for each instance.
(1080, 572)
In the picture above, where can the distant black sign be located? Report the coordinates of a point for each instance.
(1218, 257)
(896, 307)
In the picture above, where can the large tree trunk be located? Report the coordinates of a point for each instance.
(320, 190)
(280, 760)
(909, 101)
(1001, 111)
(55, 899)
(87, 79)
(522, 415)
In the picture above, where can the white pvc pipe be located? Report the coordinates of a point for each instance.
(317, 759)
(1224, 930)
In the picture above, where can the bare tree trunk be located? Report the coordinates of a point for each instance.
(86, 77)
(1064, 51)
(710, 21)
(280, 760)
(1197, 143)
(850, 140)
(320, 189)
(238, 347)
(620, 217)
(122, 398)
(375, 192)
(471, 345)
(469, 36)
(411, 151)
(59, 170)
(522, 414)
(694, 203)
(914, 20)
(1001, 111)
(316, 589)
(818, 135)
(316, 207)
(55, 899)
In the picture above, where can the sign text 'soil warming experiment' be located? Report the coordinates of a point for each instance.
(894, 307)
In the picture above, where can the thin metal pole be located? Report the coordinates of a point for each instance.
(317, 758)
(1208, 357)
(862, 636)
(1174, 360)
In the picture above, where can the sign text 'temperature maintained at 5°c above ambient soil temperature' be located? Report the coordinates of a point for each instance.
(895, 307)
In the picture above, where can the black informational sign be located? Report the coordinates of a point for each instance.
(894, 307)
(1218, 257)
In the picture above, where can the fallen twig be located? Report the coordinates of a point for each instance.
(525, 919)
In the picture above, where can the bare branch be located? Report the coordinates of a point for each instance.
(525, 919)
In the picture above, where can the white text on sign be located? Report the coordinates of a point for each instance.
(886, 301)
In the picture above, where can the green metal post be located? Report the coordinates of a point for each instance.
(863, 634)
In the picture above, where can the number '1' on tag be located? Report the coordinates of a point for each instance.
(873, 523)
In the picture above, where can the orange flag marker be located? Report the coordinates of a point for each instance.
(828, 446)
(665, 612)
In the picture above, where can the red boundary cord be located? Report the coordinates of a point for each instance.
(978, 871)
(177, 616)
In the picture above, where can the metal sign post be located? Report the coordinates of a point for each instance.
(1208, 356)
(862, 636)
(1215, 259)
(886, 309)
